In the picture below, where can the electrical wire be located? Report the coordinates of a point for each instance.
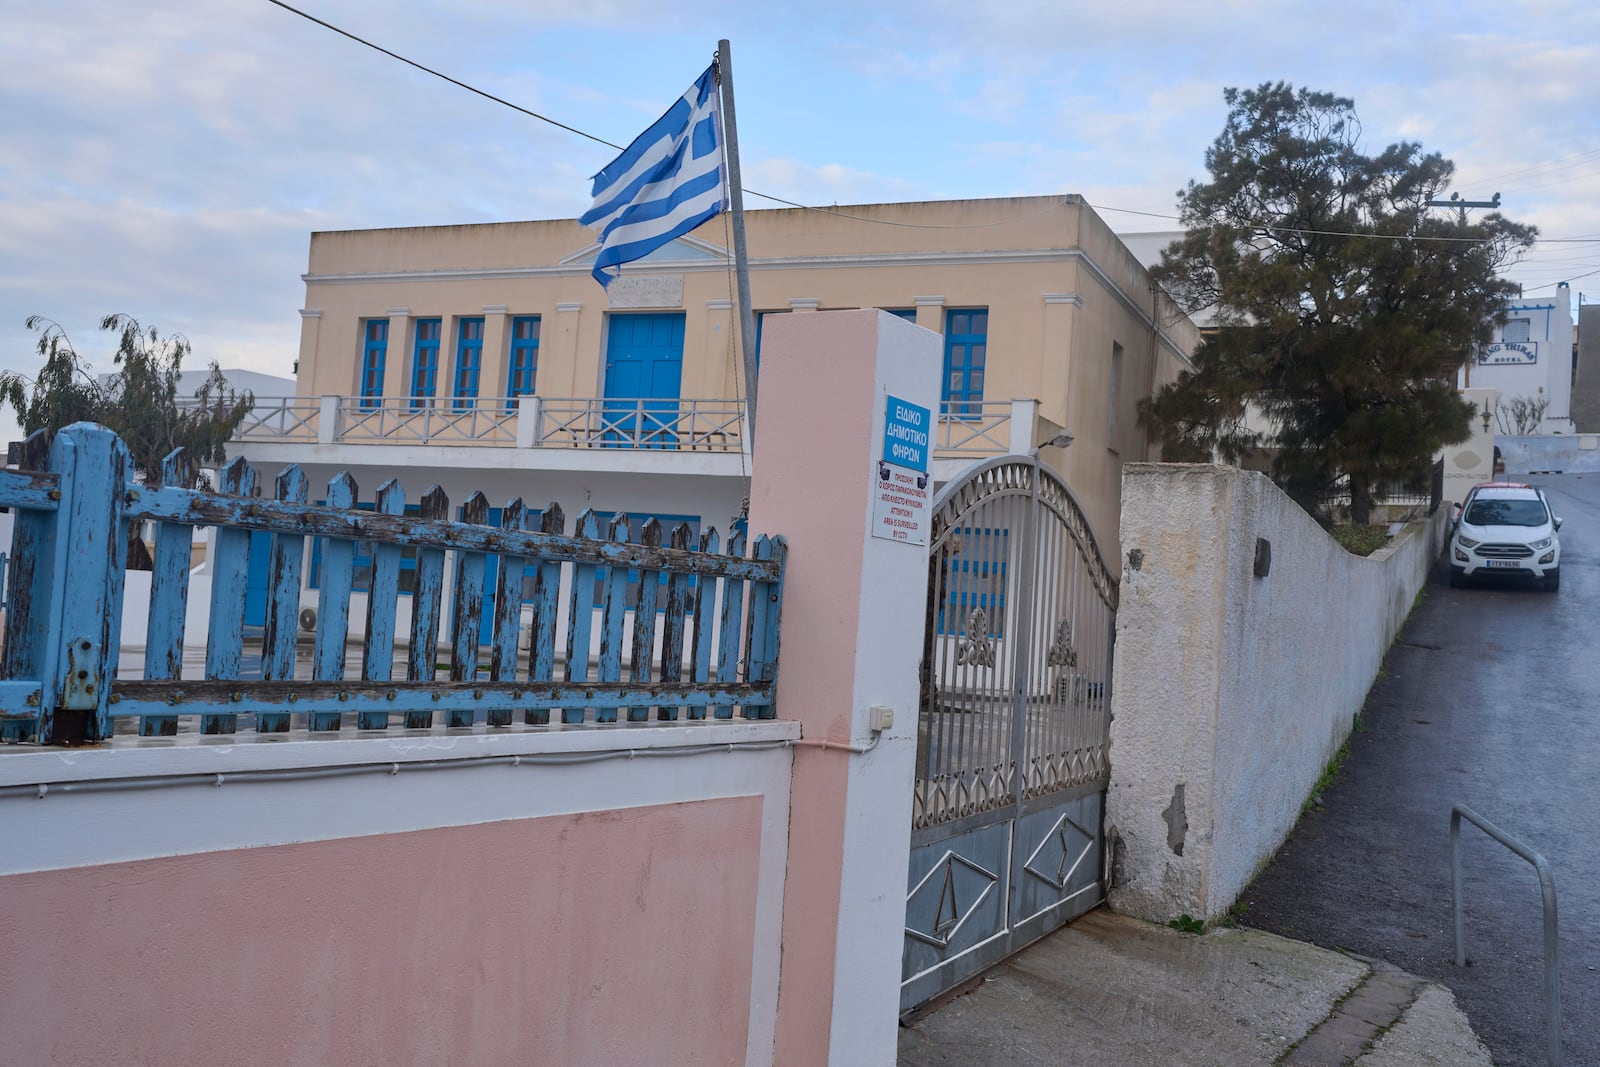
(1557, 284)
(443, 76)
(863, 218)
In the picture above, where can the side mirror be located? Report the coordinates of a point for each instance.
(1556, 523)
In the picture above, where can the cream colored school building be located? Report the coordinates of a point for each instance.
(486, 357)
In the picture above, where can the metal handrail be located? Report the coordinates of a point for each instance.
(1552, 946)
(973, 427)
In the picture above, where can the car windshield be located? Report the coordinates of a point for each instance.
(1506, 513)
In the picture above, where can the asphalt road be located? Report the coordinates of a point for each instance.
(1488, 698)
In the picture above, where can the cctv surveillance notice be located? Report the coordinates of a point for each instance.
(902, 486)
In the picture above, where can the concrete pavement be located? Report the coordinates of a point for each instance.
(1109, 990)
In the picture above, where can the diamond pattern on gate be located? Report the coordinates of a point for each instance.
(1055, 860)
(953, 796)
(961, 886)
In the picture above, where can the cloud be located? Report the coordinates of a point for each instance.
(170, 161)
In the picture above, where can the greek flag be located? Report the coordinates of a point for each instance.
(664, 184)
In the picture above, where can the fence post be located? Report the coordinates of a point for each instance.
(327, 420)
(854, 613)
(91, 554)
(29, 605)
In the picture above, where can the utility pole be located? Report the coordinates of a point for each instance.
(1455, 201)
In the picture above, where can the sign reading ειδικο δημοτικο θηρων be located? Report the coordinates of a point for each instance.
(907, 434)
(901, 484)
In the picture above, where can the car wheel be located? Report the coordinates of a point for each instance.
(1458, 577)
(1552, 581)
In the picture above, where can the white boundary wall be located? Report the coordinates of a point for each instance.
(1551, 454)
(1232, 692)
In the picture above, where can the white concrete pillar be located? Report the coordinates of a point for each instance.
(1024, 416)
(853, 616)
(530, 411)
(328, 420)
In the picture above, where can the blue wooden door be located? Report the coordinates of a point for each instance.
(255, 583)
(644, 373)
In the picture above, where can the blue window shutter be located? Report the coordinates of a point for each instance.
(524, 377)
(374, 353)
(425, 363)
(469, 361)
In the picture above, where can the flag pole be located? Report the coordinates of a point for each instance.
(741, 257)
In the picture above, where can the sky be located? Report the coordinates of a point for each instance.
(169, 160)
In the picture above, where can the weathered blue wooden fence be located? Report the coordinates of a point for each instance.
(75, 498)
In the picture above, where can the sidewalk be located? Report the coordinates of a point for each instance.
(1114, 990)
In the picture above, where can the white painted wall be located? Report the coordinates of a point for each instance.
(1552, 454)
(1472, 461)
(1233, 688)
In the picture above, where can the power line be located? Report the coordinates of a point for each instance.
(1539, 170)
(863, 218)
(1553, 285)
(443, 76)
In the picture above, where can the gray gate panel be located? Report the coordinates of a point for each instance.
(956, 895)
(1013, 724)
(1059, 862)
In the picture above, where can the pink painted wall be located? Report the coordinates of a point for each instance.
(612, 937)
(817, 497)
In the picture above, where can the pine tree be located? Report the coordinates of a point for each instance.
(1343, 306)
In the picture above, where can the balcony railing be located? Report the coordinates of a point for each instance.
(974, 428)
(426, 421)
(683, 425)
(966, 428)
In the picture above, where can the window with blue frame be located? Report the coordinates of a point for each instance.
(361, 577)
(966, 348)
(425, 363)
(524, 377)
(469, 360)
(374, 353)
(909, 314)
(975, 579)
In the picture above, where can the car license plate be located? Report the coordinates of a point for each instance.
(1503, 563)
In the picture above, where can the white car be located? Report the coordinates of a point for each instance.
(1506, 528)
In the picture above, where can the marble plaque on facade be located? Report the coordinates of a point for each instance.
(646, 291)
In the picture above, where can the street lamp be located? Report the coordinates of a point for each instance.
(1060, 440)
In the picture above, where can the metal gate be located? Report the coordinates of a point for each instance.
(1006, 841)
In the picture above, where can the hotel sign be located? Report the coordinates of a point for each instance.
(1510, 352)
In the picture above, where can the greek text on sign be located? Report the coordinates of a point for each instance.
(900, 504)
(907, 433)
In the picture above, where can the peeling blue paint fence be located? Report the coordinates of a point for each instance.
(75, 498)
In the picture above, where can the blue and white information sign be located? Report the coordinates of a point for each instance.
(907, 433)
(904, 491)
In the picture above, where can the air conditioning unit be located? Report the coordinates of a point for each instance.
(308, 619)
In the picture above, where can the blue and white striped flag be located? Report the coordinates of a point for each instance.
(664, 184)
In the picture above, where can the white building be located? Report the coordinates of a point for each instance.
(1529, 359)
